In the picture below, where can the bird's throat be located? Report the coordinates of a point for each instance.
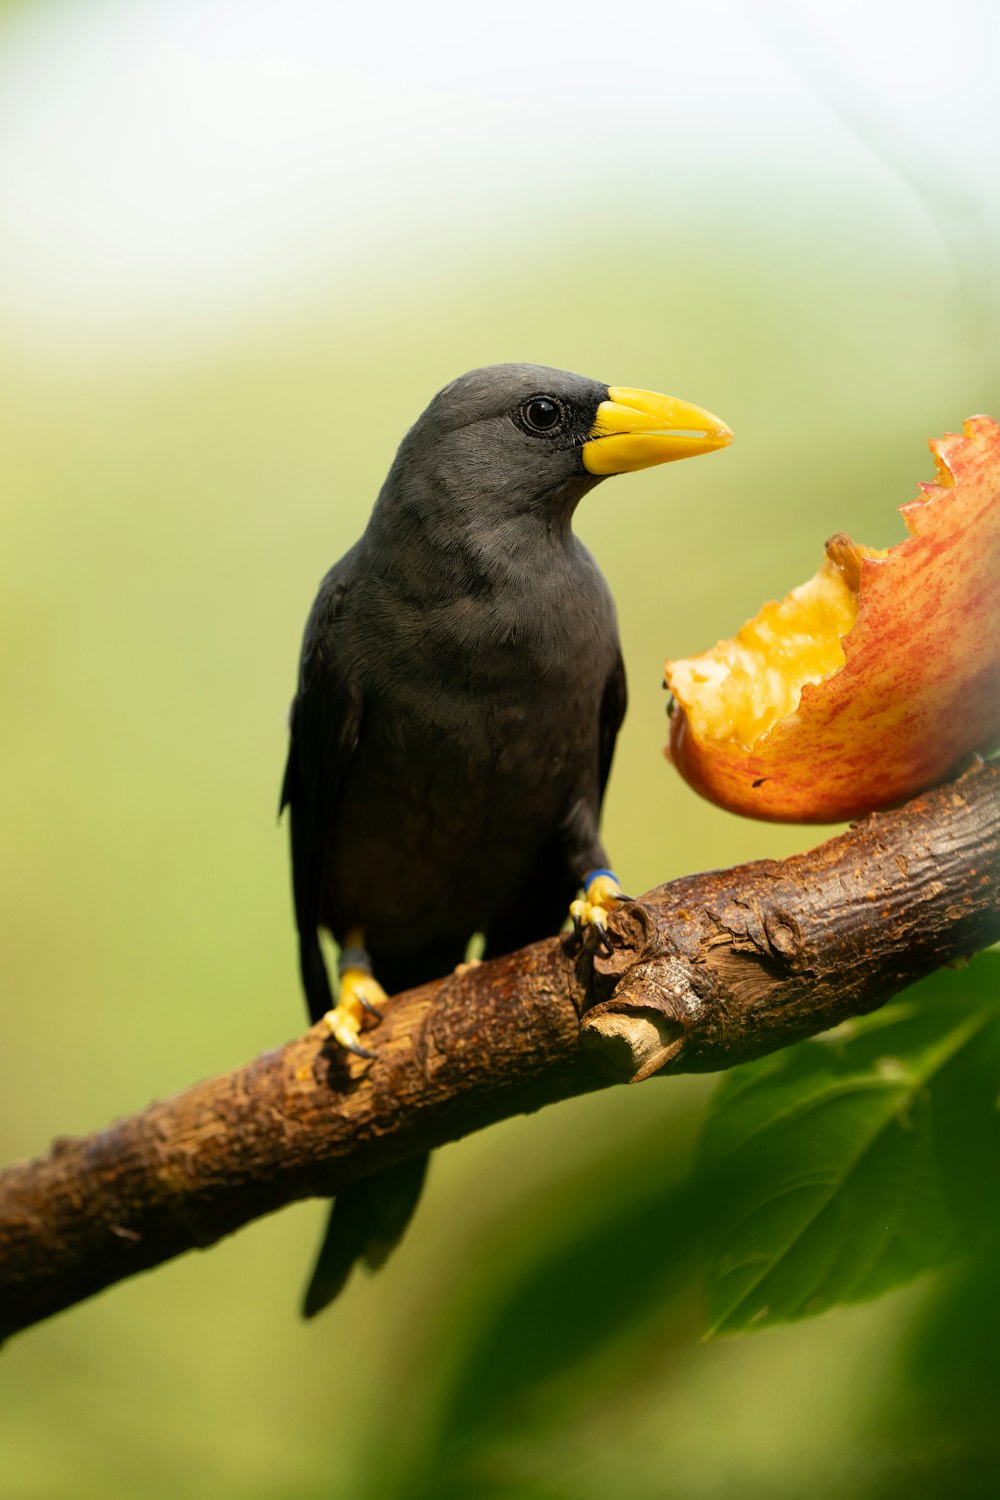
(443, 546)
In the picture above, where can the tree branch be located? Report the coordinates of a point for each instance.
(707, 972)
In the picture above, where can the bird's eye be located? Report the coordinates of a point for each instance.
(541, 414)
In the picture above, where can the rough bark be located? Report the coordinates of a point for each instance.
(706, 972)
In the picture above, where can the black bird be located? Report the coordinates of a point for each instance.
(460, 690)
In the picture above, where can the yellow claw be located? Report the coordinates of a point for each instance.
(602, 894)
(359, 992)
(467, 965)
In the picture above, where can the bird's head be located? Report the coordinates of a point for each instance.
(507, 441)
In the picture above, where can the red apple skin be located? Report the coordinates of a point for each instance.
(920, 688)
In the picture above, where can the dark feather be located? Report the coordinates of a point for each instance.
(366, 1223)
(459, 694)
(326, 721)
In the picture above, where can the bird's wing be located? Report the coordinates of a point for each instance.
(326, 721)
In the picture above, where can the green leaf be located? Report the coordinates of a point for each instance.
(602, 1273)
(844, 1166)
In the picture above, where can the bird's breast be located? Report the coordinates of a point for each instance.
(480, 732)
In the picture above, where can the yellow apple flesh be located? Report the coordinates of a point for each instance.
(872, 681)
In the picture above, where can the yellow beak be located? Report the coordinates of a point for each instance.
(635, 429)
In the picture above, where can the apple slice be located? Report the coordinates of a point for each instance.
(872, 681)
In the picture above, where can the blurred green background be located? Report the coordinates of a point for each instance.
(201, 389)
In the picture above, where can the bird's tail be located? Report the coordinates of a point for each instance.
(366, 1223)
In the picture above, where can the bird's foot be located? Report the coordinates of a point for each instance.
(360, 995)
(601, 894)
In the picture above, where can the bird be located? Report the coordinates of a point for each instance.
(460, 690)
